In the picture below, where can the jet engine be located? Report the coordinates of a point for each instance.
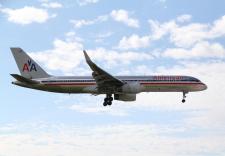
(131, 88)
(125, 97)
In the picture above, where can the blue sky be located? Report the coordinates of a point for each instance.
(124, 38)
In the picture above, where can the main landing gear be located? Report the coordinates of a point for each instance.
(184, 96)
(108, 100)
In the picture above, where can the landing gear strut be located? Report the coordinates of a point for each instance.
(184, 96)
(108, 100)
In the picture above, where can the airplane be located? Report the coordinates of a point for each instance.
(123, 88)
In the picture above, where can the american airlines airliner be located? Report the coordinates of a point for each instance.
(123, 88)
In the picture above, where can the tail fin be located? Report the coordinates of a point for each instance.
(27, 66)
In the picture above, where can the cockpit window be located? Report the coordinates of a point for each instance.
(195, 80)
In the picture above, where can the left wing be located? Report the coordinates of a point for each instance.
(102, 78)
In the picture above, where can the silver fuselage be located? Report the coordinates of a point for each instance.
(86, 84)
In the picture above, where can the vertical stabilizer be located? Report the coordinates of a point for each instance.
(27, 66)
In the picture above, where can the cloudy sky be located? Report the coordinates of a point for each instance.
(125, 38)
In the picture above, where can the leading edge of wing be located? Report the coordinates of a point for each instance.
(101, 76)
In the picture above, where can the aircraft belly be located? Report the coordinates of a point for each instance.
(60, 88)
(167, 88)
(70, 89)
(65, 89)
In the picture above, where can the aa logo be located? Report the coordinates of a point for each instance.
(29, 66)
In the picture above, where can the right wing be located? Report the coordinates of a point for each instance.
(102, 78)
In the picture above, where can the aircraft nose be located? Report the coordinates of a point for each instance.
(204, 86)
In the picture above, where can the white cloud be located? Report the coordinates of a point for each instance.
(52, 5)
(113, 139)
(201, 49)
(159, 30)
(113, 58)
(123, 16)
(134, 42)
(93, 105)
(105, 35)
(187, 35)
(64, 57)
(67, 56)
(217, 29)
(81, 23)
(181, 36)
(86, 2)
(117, 15)
(71, 36)
(100, 37)
(27, 15)
(70, 33)
(184, 18)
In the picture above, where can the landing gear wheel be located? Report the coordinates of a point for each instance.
(110, 103)
(105, 103)
(108, 100)
(184, 96)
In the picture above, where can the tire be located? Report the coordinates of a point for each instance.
(110, 103)
(110, 99)
(105, 104)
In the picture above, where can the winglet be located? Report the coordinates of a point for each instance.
(87, 58)
(91, 64)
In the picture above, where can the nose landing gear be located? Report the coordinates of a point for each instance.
(108, 100)
(184, 96)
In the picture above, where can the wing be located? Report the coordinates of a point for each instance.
(102, 78)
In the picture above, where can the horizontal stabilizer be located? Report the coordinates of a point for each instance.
(23, 79)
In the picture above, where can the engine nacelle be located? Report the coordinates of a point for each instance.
(125, 97)
(131, 88)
